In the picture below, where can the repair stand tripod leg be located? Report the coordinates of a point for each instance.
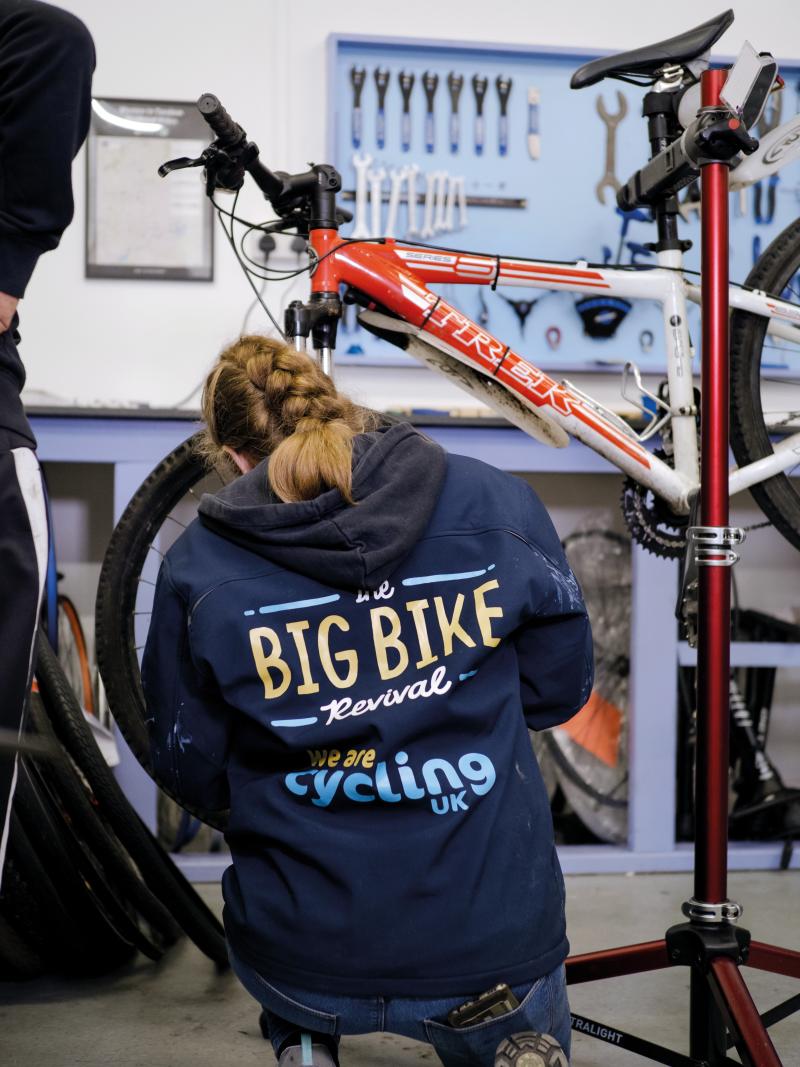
(711, 943)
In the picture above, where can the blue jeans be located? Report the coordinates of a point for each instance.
(542, 1007)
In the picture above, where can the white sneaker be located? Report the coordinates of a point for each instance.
(529, 1049)
(306, 1056)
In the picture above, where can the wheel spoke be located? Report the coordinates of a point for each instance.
(172, 518)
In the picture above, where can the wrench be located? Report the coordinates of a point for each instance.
(503, 86)
(441, 190)
(455, 83)
(375, 178)
(430, 83)
(406, 80)
(381, 85)
(362, 163)
(609, 179)
(479, 86)
(438, 219)
(397, 178)
(430, 190)
(413, 217)
(357, 77)
(450, 204)
(461, 195)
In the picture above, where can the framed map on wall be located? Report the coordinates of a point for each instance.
(137, 225)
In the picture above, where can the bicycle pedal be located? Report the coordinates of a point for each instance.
(529, 1049)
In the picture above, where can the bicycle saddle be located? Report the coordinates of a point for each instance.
(646, 61)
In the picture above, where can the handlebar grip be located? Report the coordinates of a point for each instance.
(227, 131)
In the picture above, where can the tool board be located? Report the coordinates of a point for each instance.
(532, 189)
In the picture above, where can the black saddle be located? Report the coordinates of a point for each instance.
(645, 62)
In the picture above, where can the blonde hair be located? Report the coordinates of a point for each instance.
(265, 398)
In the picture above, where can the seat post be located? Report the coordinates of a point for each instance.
(662, 129)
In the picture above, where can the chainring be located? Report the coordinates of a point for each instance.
(652, 523)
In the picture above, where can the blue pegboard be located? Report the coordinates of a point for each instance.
(562, 219)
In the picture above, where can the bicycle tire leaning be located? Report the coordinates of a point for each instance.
(157, 869)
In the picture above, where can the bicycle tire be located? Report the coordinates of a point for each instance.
(115, 638)
(105, 932)
(73, 653)
(91, 826)
(777, 497)
(80, 941)
(18, 961)
(157, 868)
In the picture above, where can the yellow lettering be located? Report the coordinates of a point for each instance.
(265, 664)
(417, 609)
(384, 641)
(452, 627)
(349, 657)
(296, 630)
(363, 756)
(334, 757)
(486, 614)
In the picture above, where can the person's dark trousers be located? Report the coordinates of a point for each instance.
(23, 564)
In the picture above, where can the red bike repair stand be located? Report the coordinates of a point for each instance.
(722, 1012)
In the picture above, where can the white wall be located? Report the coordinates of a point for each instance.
(124, 341)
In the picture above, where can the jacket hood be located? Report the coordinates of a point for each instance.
(397, 476)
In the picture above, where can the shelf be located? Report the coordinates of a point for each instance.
(578, 859)
(750, 654)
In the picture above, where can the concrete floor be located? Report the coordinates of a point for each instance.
(179, 1013)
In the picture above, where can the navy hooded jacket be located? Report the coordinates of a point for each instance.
(356, 684)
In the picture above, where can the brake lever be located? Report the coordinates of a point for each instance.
(182, 163)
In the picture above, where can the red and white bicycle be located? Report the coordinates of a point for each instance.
(390, 280)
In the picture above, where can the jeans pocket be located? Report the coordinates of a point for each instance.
(475, 1046)
(296, 1006)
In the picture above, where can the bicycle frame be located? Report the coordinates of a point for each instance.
(395, 276)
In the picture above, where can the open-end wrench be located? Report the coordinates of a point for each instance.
(357, 78)
(461, 195)
(406, 80)
(455, 83)
(375, 178)
(503, 92)
(439, 223)
(413, 214)
(430, 192)
(397, 176)
(609, 179)
(362, 163)
(479, 87)
(450, 204)
(381, 84)
(430, 83)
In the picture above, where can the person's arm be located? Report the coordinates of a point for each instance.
(187, 719)
(46, 64)
(554, 645)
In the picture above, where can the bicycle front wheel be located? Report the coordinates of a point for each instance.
(157, 514)
(765, 383)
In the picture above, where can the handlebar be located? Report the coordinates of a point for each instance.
(227, 131)
(310, 195)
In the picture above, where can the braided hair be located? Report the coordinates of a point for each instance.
(265, 398)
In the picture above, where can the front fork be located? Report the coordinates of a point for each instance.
(319, 320)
